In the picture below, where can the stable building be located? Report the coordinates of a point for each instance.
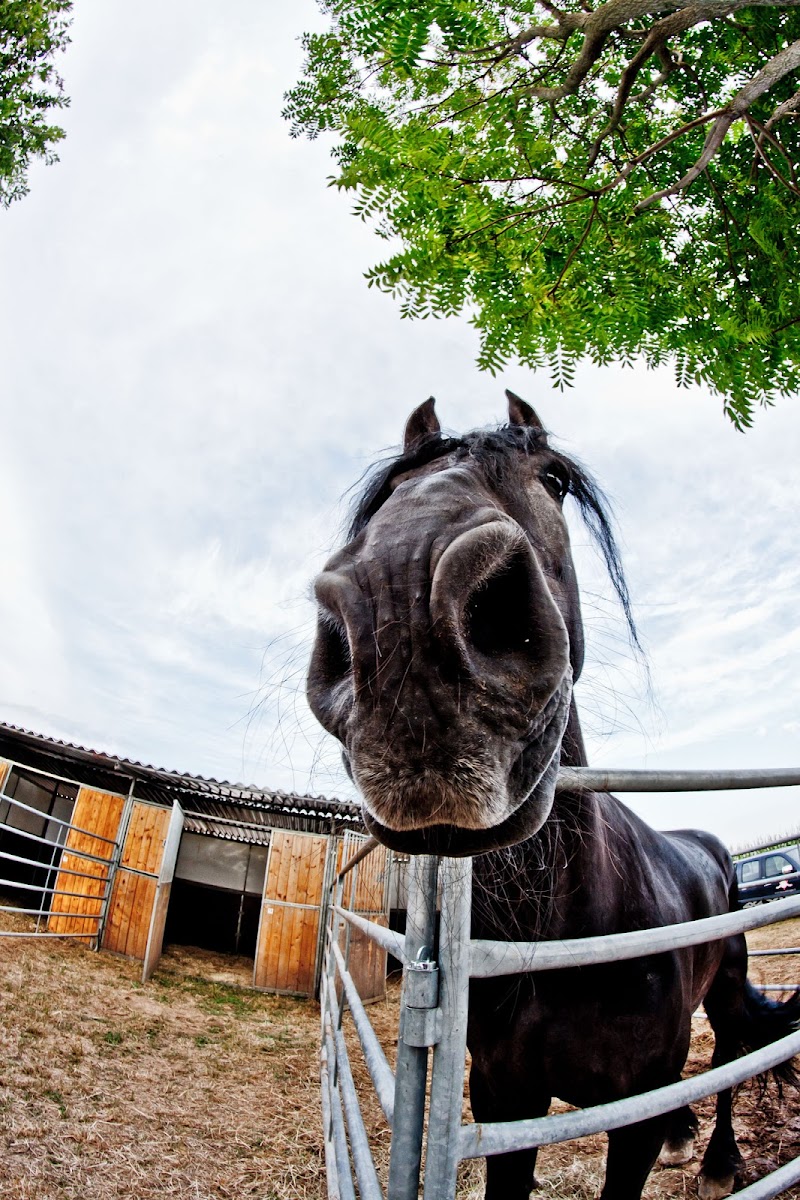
(130, 858)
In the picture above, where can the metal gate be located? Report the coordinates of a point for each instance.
(433, 1021)
(64, 870)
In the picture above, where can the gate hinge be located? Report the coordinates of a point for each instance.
(421, 1017)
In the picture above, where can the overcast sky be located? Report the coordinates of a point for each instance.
(194, 372)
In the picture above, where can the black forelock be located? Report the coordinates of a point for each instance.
(497, 451)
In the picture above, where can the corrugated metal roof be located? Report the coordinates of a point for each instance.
(254, 833)
(207, 798)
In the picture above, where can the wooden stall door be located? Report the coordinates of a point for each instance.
(133, 895)
(366, 891)
(81, 884)
(288, 932)
(158, 920)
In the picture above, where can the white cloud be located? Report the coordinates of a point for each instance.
(196, 373)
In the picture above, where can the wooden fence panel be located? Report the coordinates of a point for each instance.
(288, 934)
(97, 816)
(134, 892)
(366, 891)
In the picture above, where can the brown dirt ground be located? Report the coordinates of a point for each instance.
(194, 1086)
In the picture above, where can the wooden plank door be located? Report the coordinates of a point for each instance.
(366, 891)
(87, 864)
(158, 920)
(289, 928)
(133, 896)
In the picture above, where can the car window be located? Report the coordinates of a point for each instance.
(751, 870)
(777, 864)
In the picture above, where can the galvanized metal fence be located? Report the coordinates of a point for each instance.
(48, 886)
(433, 1020)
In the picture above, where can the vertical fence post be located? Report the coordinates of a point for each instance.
(449, 1054)
(411, 1069)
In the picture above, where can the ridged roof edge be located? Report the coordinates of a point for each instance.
(249, 795)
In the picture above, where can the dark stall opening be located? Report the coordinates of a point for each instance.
(212, 919)
(215, 900)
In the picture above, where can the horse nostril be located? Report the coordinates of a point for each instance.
(334, 660)
(497, 615)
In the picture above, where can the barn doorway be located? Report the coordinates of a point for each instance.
(216, 895)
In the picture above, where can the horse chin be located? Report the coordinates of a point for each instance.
(454, 842)
(528, 777)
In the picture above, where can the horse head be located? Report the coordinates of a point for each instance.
(449, 636)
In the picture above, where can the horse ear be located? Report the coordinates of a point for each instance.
(520, 413)
(422, 423)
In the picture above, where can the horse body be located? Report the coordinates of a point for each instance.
(448, 641)
(595, 1034)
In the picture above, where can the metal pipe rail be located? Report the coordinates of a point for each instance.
(43, 866)
(588, 779)
(38, 912)
(381, 1073)
(38, 887)
(434, 1011)
(501, 1136)
(47, 817)
(43, 841)
(369, 845)
(387, 939)
(490, 958)
(13, 933)
(345, 1102)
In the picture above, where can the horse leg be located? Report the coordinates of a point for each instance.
(723, 1006)
(678, 1145)
(631, 1154)
(508, 1176)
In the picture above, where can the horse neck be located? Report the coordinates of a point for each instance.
(542, 888)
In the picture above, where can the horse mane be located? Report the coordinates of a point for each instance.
(497, 451)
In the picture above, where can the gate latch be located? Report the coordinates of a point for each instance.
(422, 1017)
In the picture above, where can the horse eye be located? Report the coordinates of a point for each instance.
(557, 481)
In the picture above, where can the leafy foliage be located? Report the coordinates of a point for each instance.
(613, 179)
(31, 33)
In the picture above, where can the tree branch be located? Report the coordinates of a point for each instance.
(762, 154)
(780, 65)
(784, 110)
(551, 292)
(668, 27)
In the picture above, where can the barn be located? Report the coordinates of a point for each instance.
(130, 858)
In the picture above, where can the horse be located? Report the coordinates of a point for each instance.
(448, 640)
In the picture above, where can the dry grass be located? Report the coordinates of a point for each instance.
(183, 1087)
(199, 1088)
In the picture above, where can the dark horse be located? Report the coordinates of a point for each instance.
(448, 641)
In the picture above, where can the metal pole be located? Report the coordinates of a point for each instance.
(377, 1065)
(447, 1082)
(775, 1184)
(412, 1061)
(502, 1137)
(587, 779)
(491, 958)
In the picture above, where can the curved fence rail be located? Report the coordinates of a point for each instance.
(433, 1019)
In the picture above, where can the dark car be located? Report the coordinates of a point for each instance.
(768, 876)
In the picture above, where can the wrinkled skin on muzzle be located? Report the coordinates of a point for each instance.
(447, 640)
